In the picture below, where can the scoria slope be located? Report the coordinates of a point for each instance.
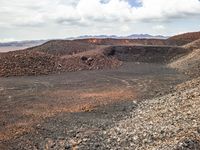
(189, 64)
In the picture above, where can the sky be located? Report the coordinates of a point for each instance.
(50, 19)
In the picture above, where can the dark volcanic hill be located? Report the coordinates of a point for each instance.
(69, 47)
(89, 54)
(147, 54)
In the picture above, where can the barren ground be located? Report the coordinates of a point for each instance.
(66, 110)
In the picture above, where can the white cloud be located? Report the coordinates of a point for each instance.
(165, 10)
(96, 14)
(37, 11)
(159, 27)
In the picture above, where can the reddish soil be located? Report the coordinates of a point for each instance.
(28, 102)
(63, 101)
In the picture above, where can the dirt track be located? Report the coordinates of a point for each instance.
(37, 111)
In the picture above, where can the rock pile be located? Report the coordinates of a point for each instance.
(163, 123)
(26, 63)
(22, 63)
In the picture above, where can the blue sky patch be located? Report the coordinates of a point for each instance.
(135, 3)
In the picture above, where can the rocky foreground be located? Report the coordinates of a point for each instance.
(167, 122)
(164, 123)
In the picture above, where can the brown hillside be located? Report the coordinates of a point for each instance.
(183, 39)
(190, 64)
(26, 63)
(63, 47)
(20, 63)
(87, 54)
(69, 47)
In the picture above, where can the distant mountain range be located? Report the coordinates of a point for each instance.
(133, 36)
(18, 45)
(146, 36)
